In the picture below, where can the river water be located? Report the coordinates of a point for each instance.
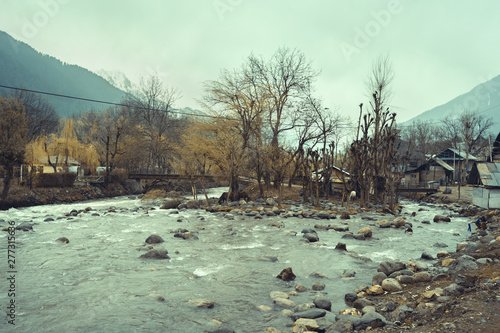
(97, 283)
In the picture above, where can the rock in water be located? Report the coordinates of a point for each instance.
(286, 274)
(202, 303)
(154, 239)
(63, 240)
(155, 254)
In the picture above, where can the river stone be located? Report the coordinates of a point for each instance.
(155, 254)
(270, 202)
(406, 279)
(471, 247)
(442, 254)
(305, 325)
(339, 227)
(286, 274)
(378, 278)
(202, 303)
(441, 218)
(345, 215)
(341, 246)
(353, 319)
(401, 272)
(300, 288)
(422, 277)
(391, 285)
(170, 204)
(462, 264)
(447, 262)
(401, 313)
(453, 290)
(440, 245)
(389, 267)
(366, 231)
(427, 256)
(311, 237)
(323, 215)
(304, 307)
(278, 294)
(384, 224)
(398, 222)
(264, 308)
(283, 302)
(63, 240)
(323, 303)
(348, 273)
(341, 326)
(461, 246)
(362, 302)
(375, 290)
(320, 285)
(25, 226)
(372, 319)
(154, 239)
(309, 314)
(350, 297)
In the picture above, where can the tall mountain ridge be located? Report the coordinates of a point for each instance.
(483, 99)
(23, 67)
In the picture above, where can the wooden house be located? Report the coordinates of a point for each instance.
(434, 170)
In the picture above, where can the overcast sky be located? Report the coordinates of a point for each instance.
(439, 49)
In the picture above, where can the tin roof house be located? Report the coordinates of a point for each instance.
(486, 178)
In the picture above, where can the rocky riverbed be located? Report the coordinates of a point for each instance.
(185, 265)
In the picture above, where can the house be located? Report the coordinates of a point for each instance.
(434, 170)
(43, 166)
(459, 161)
(486, 178)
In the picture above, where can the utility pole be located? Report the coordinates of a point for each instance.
(459, 171)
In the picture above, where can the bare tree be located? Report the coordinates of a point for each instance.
(152, 106)
(13, 138)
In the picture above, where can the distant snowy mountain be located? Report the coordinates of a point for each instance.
(483, 99)
(117, 79)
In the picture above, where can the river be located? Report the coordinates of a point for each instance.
(97, 283)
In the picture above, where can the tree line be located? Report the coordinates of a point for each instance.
(261, 120)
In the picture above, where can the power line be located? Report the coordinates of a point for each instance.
(107, 103)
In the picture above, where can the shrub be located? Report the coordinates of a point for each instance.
(59, 179)
(119, 176)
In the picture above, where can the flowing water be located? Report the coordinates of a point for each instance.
(97, 283)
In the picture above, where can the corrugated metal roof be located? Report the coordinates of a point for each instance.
(463, 154)
(489, 173)
(443, 163)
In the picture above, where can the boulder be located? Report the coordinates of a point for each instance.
(300, 288)
(341, 246)
(348, 273)
(63, 240)
(447, 262)
(384, 224)
(186, 235)
(202, 303)
(366, 231)
(462, 264)
(453, 290)
(427, 256)
(441, 218)
(154, 239)
(405, 279)
(278, 294)
(391, 285)
(305, 325)
(398, 222)
(309, 314)
(171, 204)
(350, 297)
(372, 319)
(323, 303)
(286, 274)
(375, 290)
(345, 215)
(25, 226)
(323, 215)
(401, 313)
(339, 227)
(311, 237)
(422, 277)
(320, 285)
(378, 278)
(283, 302)
(192, 204)
(389, 267)
(155, 254)
(341, 326)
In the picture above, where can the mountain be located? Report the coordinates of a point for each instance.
(22, 66)
(118, 80)
(483, 98)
